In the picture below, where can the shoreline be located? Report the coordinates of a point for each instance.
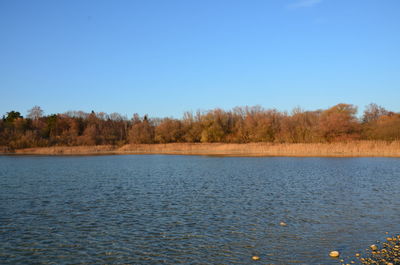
(349, 149)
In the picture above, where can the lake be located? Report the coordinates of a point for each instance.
(159, 209)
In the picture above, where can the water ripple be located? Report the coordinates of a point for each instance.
(193, 210)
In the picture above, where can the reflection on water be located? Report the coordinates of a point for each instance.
(152, 209)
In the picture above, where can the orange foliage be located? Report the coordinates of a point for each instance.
(240, 125)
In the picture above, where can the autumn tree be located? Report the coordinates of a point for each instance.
(142, 131)
(373, 112)
(387, 127)
(91, 134)
(300, 126)
(114, 129)
(169, 131)
(216, 126)
(339, 123)
(258, 125)
(240, 125)
(191, 127)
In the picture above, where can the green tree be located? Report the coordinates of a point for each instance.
(11, 116)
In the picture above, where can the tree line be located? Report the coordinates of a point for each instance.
(239, 125)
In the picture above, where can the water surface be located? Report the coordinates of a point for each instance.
(154, 209)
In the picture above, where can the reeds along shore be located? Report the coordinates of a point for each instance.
(347, 149)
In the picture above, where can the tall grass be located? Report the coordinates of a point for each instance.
(354, 148)
(338, 149)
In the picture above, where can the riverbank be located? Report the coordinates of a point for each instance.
(349, 149)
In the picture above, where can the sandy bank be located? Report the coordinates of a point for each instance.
(350, 149)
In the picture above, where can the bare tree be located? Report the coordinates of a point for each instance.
(373, 112)
(35, 113)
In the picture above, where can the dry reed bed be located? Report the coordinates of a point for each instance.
(348, 149)
(66, 150)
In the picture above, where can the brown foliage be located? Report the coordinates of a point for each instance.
(386, 128)
(300, 127)
(373, 112)
(339, 123)
(240, 125)
(169, 131)
(142, 131)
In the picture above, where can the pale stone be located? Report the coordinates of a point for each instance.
(374, 247)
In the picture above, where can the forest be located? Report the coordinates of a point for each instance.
(339, 123)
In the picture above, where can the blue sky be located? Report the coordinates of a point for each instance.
(165, 57)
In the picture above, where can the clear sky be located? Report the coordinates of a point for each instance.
(165, 57)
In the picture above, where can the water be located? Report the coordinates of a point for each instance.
(153, 209)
